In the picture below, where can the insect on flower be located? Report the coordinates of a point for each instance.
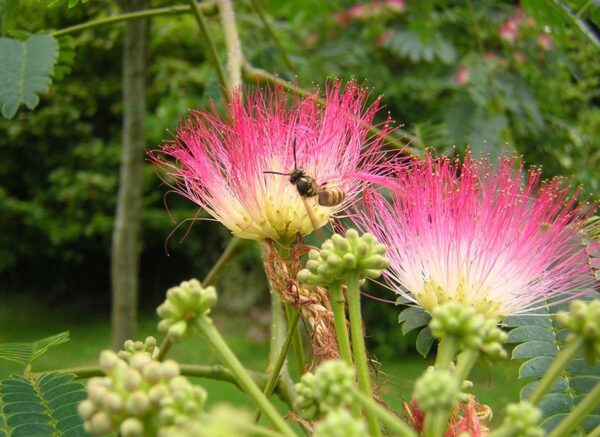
(307, 186)
(219, 159)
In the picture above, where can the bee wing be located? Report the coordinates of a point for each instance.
(313, 219)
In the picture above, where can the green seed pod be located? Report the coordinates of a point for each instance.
(583, 321)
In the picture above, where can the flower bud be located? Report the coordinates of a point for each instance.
(132, 427)
(86, 409)
(459, 321)
(522, 419)
(340, 423)
(583, 321)
(330, 387)
(437, 390)
(339, 256)
(99, 424)
(184, 304)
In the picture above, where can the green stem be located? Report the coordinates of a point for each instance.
(475, 26)
(278, 331)
(232, 41)
(293, 315)
(359, 349)
(211, 334)
(271, 31)
(595, 432)
(338, 306)
(397, 426)
(436, 421)
(210, 46)
(234, 248)
(464, 363)
(206, 7)
(164, 348)
(253, 75)
(578, 414)
(446, 353)
(560, 363)
(279, 362)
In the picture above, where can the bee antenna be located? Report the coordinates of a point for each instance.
(294, 148)
(276, 172)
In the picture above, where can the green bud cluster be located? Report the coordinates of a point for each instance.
(184, 304)
(131, 348)
(340, 255)
(522, 420)
(583, 321)
(222, 421)
(340, 423)
(329, 388)
(492, 340)
(438, 390)
(128, 400)
(462, 322)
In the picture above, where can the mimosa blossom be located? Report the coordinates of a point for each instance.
(493, 237)
(219, 160)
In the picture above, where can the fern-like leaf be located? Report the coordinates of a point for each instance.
(26, 353)
(25, 71)
(43, 407)
(538, 341)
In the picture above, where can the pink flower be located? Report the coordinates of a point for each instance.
(462, 76)
(545, 41)
(508, 31)
(492, 237)
(397, 6)
(219, 160)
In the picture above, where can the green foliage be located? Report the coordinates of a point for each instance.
(25, 71)
(416, 318)
(71, 3)
(538, 341)
(41, 407)
(26, 353)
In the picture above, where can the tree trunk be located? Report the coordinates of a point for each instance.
(125, 240)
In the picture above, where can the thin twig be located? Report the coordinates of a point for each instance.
(207, 8)
(232, 41)
(271, 31)
(211, 49)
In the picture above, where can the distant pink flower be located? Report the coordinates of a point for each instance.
(545, 41)
(218, 160)
(520, 58)
(508, 31)
(397, 6)
(462, 76)
(492, 237)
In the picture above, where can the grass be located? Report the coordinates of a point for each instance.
(24, 320)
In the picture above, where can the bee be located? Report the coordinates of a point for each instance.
(308, 187)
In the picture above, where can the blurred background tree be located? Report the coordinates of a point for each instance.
(490, 75)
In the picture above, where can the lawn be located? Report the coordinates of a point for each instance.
(91, 333)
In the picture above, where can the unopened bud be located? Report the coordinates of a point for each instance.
(361, 255)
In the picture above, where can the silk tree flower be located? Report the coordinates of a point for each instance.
(219, 160)
(493, 237)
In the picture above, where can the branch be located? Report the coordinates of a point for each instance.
(232, 41)
(210, 46)
(583, 26)
(271, 31)
(216, 372)
(208, 8)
